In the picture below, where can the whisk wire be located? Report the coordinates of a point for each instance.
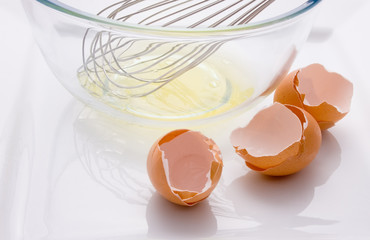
(256, 11)
(187, 14)
(127, 66)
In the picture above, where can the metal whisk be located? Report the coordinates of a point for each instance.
(126, 66)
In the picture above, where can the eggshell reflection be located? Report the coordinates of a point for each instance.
(325, 95)
(184, 166)
(279, 140)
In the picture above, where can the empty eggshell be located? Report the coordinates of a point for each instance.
(325, 95)
(184, 166)
(279, 140)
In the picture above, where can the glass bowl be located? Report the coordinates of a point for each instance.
(103, 53)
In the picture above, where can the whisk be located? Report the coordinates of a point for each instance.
(126, 66)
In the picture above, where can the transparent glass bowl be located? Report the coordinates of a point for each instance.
(167, 74)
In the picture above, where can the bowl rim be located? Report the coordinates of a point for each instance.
(285, 17)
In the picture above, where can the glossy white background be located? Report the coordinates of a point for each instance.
(68, 172)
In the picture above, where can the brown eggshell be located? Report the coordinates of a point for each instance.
(325, 95)
(276, 120)
(310, 146)
(286, 92)
(169, 152)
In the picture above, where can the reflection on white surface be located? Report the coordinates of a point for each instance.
(169, 221)
(109, 176)
(68, 173)
(114, 155)
(276, 202)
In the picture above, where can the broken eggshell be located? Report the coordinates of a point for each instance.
(325, 95)
(279, 140)
(184, 166)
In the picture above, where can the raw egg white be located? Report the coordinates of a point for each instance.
(184, 166)
(325, 95)
(279, 140)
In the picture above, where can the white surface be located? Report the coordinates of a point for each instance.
(67, 172)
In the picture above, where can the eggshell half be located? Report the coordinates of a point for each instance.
(184, 166)
(279, 140)
(325, 95)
